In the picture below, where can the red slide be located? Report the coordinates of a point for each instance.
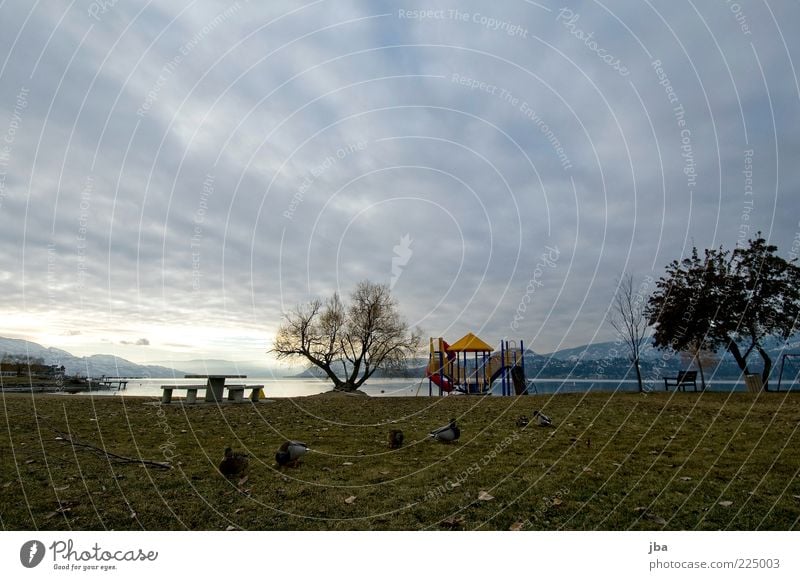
(441, 381)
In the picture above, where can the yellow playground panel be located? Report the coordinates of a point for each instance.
(471, 366)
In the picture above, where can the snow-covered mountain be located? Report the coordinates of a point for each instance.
(92, 366)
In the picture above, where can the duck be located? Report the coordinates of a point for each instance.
(447, 433)
(233, 464)
(522, 421)
(395, 439)
(542, 419)
(289, 453)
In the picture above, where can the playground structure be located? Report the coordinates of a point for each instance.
(450, 368)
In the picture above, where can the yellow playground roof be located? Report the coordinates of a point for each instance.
(470, 343)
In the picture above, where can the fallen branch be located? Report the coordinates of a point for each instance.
(119, 458)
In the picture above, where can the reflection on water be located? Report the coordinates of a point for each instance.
(288, 387)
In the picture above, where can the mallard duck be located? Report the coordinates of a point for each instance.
(542, 419)
(395, 439)
(522, 421)
(233, 464)
(447, 433)
(289, 453)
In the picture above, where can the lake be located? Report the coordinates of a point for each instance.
(295, 387)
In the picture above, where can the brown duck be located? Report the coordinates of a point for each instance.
(233, 464)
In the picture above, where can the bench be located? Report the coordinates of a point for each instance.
(191, 392)
(235, 392)
(684, 378)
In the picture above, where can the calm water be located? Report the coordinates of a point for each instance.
(289, 387)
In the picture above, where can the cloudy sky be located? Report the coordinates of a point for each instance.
(174, 175)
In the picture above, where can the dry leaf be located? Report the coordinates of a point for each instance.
(517, 526)
(350, 499)
(485, 496)
(347, 463)
(726, 503)
(686, 478)
(29, 461)
(384, 472)
(62, 488)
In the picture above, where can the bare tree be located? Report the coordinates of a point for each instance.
(630, 321)
(349, 343)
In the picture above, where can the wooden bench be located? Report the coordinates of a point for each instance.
(235, 392)
(684, 378)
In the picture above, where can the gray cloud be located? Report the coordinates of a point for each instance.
(193, 171)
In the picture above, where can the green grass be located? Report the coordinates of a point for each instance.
(613, 462)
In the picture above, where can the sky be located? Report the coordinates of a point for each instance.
(175, 176)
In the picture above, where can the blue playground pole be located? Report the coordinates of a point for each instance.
(441, 368)
(504, 355)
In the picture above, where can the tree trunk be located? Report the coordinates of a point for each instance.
(702, 374)
(638, 375)
(767, 367)
(345, 387)
(733, 348)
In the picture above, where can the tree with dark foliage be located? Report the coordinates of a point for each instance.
(732, 300)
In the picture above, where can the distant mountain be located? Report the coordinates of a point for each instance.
(251, 368)
(607, 350)
(92, 366)
(588, 352)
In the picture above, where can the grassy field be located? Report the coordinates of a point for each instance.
(680, 461)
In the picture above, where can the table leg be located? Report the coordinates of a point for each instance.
(214, 390)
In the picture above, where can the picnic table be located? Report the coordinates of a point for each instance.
(215, 389)
(215, 385)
